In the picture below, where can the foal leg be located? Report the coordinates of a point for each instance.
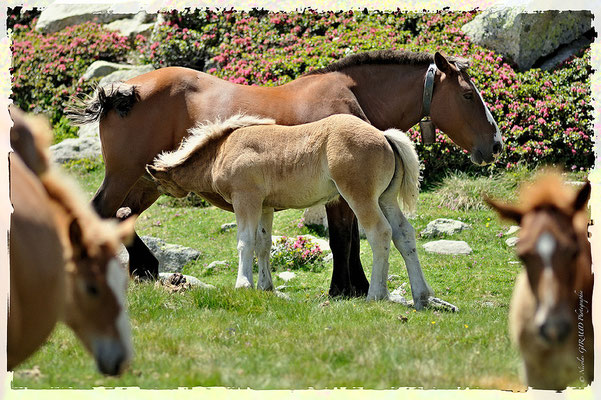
(248, 215)
(403, 236)
(263, 250)
(378, 232)
(348, 277)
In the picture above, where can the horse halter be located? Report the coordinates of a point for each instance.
(426, 125)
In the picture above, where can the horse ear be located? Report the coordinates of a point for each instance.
(125, 230)
(506, 211)
(76, 237)
(442, 63)
(582, 197)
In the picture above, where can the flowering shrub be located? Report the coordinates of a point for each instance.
(297, 253)
(544, 116)
(47, 67)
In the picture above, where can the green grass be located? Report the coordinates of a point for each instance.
(247, 338)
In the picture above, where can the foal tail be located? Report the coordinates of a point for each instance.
(119, 96)
(406, 154)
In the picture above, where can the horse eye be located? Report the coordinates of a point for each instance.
(468, 96)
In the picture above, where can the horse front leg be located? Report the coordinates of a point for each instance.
(348, 277)
(263, 250)
(118, 197)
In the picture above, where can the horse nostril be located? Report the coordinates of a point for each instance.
(497, 147)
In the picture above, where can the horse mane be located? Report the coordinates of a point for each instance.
(386, 57)
(548, 191)
(202, 134)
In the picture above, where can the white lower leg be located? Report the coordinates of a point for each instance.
(378, 237)
(246, 245)
(263, 247)
(403, 236)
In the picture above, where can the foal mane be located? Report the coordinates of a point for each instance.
(202, 134)
(548, 191)
(387, 57)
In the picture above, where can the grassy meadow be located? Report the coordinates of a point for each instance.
(248, 338)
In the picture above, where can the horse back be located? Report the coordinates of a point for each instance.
(36, 265)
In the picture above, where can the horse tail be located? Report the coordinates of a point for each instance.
(407, 158)
(119, 96)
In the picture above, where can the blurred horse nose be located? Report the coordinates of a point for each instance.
(496, 148)
(110, 356)
(555, 331)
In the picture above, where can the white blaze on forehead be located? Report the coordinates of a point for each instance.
(116, 279)
(489, 116)
(545, 247)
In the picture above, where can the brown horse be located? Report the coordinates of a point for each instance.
(153, 113)
(550, 315)
(62, 259)
(252, 167)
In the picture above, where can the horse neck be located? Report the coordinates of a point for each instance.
(390, 95)
(197, 169)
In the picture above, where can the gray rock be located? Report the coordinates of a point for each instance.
(59, 16)
(172, 257)
(448, 247)
(194, 282)
(103, 68)
(216, 264)
(443, 226)
(76, 149)
(125, 74)
(316, 215)
(141, 24)
(89, 130)
(512, 229)
(229, 226)
(526, 37)
(282, 295)
(286, 275)
(512, 241)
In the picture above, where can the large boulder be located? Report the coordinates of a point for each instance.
(124, 74)
(172, 257)
(76, 149)
(141, 24)
(525, 38)
(59, 16)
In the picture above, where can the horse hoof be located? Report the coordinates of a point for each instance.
(243, 284)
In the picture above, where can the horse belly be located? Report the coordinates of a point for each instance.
(300, 192)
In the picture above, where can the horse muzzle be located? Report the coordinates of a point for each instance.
(111, 356)
(481, 156)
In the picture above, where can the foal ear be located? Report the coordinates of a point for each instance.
(506, 211)
(442, 63)
(155, 173)
(76, 237)
(125, 230)
(582, 197)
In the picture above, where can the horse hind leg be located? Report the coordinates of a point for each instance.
(403, 236)
(378, 232)
(263, 250)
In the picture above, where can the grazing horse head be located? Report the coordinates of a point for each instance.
(459, 110)
(553, 245)
(96, 289)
